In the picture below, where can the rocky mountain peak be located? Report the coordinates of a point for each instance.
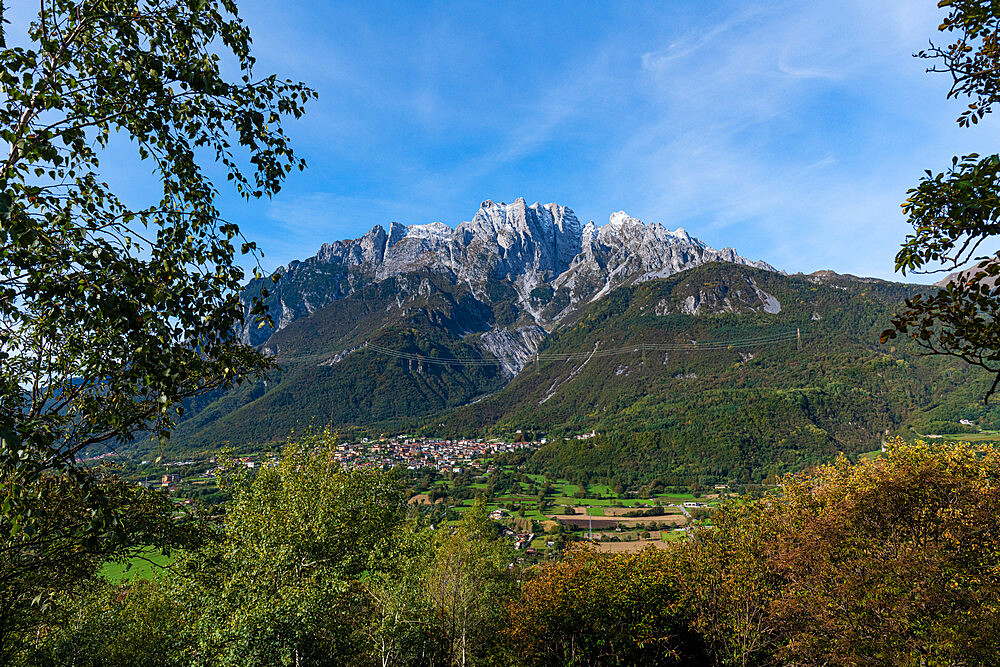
(523, 239)
(537, 258)
(620, 219)
(432, 230)
(397, 231)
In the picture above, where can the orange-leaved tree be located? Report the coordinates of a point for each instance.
(892, 561)
(889, 561)
(603, 609)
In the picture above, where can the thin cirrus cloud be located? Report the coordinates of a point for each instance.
(792, 134)
(788, 130)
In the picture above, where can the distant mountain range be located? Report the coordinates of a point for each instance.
(533, 264)
(464, 330)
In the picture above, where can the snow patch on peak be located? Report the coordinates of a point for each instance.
(621, 218)
(432, 230)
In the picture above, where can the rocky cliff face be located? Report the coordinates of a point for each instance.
(533, 265)
(628, 251)
(514, 349)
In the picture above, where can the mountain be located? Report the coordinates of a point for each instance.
(760, 401)
(492, 288)
(530, 264)
(522, 318)
(969, 276)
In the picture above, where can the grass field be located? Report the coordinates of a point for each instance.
(149, 565)
(983, 436)
(605, 512)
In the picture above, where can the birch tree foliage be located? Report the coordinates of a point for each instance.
(954, 212)
(282, 583)
(111, 311)
(470, 573)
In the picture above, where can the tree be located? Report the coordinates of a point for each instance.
(113, 313)
(59, 555)
(892, 561)
(469, 579)
(401, 624)
(728, 578)
(115, 626)
(954, 212)
(283, 584)
(604, 609)
(889, 561)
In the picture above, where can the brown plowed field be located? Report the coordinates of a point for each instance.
(622, 511)
(629, 547)
(597, 522)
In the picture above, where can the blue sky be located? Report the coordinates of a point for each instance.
(788, 130)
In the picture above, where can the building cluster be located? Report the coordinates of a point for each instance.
(415, 453)
(404, 451)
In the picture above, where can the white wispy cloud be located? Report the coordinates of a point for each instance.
(752, 139)
(788, 130)
(691, 44)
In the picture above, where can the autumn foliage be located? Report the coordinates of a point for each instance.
(596, 609)
(891, 561)
(888, 561)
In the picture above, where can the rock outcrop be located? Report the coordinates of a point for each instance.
(534, 265)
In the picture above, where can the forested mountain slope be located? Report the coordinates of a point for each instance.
(741, 410)
(689, 370)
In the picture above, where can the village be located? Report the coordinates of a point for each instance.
(404, 451)
(415, 453)
(539, 515)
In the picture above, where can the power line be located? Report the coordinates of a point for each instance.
(431, 360)
(693, 346)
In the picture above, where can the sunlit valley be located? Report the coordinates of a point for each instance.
(297, 373)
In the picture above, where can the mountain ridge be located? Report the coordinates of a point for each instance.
(524, 319)
(541, 257)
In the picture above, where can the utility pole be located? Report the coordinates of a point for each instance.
(798, 338)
